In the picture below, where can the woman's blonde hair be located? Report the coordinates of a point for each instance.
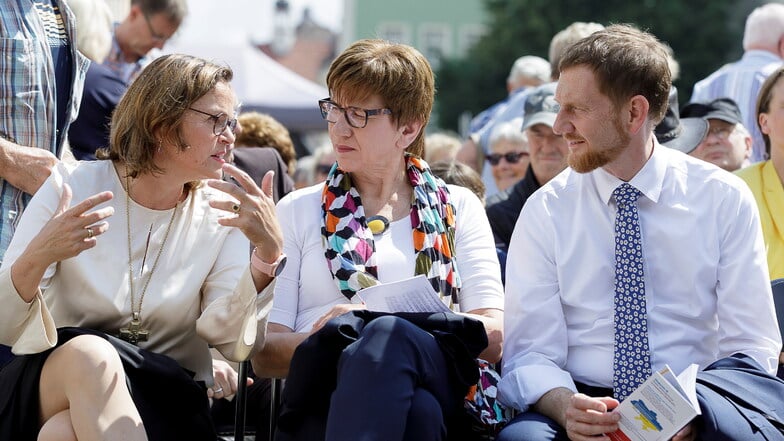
(151, 112)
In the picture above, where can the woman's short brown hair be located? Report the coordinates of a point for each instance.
(398, 73)
(151, 112)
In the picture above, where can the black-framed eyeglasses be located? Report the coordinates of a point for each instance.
(357, 117)
(222, 121)
(155, 36)
(511, 157)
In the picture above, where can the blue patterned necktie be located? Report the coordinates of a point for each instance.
(632, 357)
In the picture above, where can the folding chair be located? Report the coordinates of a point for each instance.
(275, 388)
(777, 286)
(240, 401)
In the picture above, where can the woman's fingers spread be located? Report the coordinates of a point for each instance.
(267, 183)
(241, 178)
(87, 204)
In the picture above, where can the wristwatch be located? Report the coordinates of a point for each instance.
(271, 269)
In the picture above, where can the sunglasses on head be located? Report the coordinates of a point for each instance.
(511, 157)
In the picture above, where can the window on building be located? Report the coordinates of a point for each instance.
(435, 42)
(394, 31)
(467, 38)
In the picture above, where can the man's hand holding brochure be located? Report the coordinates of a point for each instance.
(659, 408)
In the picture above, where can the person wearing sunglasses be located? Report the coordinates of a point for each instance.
(380, 218)
(125, 271)
(148, 25)
(547, 158)
(508, 155)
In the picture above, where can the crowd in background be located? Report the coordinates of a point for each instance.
(495, 218)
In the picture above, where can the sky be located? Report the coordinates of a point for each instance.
(230, 21)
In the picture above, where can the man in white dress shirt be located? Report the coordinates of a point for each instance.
(703, 269)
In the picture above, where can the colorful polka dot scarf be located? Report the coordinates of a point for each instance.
(350, 250)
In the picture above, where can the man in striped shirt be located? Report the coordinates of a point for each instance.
(763, 43)
(41, 74)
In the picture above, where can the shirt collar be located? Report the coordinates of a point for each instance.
(649, 180)
(760, 55)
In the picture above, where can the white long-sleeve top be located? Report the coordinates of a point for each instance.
(305, 289)
(706, 279)
(200, 294)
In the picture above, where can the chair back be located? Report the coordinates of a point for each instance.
(778, 299)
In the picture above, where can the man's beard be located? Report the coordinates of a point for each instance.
(591, 159)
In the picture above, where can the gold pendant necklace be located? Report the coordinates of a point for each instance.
(134, 332)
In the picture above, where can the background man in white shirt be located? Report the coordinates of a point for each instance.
(702, 264)
(763, 46)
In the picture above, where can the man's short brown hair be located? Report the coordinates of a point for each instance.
(627, 62)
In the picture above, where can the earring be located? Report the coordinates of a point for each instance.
(160, 143)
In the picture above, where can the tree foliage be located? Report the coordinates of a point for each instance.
(704, 34)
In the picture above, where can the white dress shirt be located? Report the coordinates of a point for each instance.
(706, 277)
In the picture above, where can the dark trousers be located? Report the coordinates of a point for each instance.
(374, 376)
(392, 385)
(739, 402)
(5, 355)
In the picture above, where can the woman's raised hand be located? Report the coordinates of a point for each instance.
(253, 212)
(72, 230)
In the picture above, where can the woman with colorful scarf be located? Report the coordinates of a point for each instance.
(381, 217)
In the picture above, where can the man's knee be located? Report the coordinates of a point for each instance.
(385, 326)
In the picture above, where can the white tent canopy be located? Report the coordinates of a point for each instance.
(223, 32)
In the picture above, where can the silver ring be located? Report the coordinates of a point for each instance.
(235, 208)
(90, 233)
(218, 390)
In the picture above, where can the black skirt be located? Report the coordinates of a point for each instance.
(172, 405)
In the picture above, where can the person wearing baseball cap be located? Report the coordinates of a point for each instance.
(547, 153)
(677, 132)
(728, 142)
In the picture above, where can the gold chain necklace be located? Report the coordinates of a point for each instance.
(134, 333)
